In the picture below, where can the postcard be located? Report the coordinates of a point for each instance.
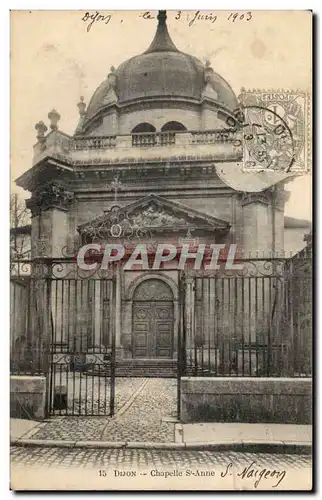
(161, 250)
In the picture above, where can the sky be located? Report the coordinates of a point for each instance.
(57, 56)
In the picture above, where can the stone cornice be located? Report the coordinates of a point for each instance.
(44, 171)
(53, 171)
(156, 161)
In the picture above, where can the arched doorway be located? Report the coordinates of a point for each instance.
(152, 320)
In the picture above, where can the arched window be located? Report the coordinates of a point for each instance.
(143, 128)
(173, 127)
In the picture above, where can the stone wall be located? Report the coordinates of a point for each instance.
(27, 397)
(267, 400)
(192, 116)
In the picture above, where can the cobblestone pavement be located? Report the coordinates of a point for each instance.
(126, 458)
(91, 394)
(141, 421)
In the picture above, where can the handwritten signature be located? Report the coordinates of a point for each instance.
(257, 474)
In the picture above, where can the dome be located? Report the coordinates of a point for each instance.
(160, 74)
(161, 71)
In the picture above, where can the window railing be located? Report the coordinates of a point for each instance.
(154, 139)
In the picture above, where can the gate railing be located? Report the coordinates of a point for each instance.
(252, 323)
(63, 326)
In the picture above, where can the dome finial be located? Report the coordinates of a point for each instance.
(162, 17)
(162, 41)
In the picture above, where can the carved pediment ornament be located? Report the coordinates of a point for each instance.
(117, 223)
(140, 220)
(154, 216)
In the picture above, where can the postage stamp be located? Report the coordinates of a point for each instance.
(276, 131)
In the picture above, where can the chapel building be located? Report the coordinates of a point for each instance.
(147, 163)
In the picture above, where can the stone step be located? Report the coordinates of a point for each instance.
(146, 368)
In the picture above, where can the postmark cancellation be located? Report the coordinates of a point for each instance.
(276, 130)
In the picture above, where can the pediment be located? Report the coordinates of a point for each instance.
(152, 213)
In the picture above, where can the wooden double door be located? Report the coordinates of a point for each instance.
(153, 329)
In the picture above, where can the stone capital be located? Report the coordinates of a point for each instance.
(51, 195)
(261, 197)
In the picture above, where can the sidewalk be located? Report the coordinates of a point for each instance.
(280, 438)
(21, 428)
(146, 418)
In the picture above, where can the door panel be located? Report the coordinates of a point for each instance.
(164, 329)
(153, 329)
(141, 328)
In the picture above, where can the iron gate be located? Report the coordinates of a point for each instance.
(255, 322)
(82, 368)
(68, 334)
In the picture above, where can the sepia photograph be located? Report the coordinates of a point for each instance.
(161, 250)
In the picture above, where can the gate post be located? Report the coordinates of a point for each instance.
(181, 338)
(113, 344)
(48, 345)
(41, 322)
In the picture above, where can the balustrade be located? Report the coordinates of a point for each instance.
(104, 142)
(153, 139)
(147, 140)
(213, 136)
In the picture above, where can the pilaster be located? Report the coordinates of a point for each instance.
(257, 224)
(49, 206)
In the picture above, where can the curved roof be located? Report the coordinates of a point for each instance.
(161, 71)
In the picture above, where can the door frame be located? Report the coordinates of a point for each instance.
(129, 296)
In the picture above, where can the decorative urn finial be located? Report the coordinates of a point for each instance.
(208, 72)
(41, 130)
(54, 118)
(112, 77)
(81, 106)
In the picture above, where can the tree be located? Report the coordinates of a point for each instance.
(20, 229)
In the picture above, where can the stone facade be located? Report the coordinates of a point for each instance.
(169, 182)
